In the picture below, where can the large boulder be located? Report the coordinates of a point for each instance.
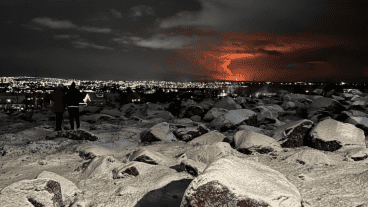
(330, 93)
(240, 100)
(192, 111)
(234, 118)
(249, 142)
(196, 118)
(205, 106)
(159, 132)
(160, 114)
(318, 91)
(360, 122)
(328, 104)
(152, 158)
(129, 109)
(249, 128)
(317, 111)
(264, 112)
(358, 105)
(356, 113)
(192, 167)
(154, 107)
(275, 107)
(232, 181)
(38, 117)
(208, 138)
(3, 116)
(331, 135)
(93, 118)
(347, 95)
(189, 133)
(338, 98)
(358, 98)
(69, 190)
(112, 112)
(288, 105)
(314, 97)
(183, 121)
(227, 103)
(214, 113)
(293, 134)
(356, 92)
(30, 193)
(189, 102)
(139, 114)
(208, 153)
(293, 97)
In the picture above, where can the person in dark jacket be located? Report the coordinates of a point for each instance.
(58, 97)
(174, 107)
(73, 97)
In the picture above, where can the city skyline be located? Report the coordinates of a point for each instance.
(277, 41)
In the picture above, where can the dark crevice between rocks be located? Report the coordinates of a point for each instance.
(229, 140)
(264, 150)
(342, 117)
(146, 159)
(191, 170)
(35, 203)
(301, 162)
(83, 167)
(363, 127)
(359, 158)
(131, 171)
(176, 167)
(177, 156)
(87, 156)
(245, 151)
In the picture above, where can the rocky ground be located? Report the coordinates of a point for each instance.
(293, 150)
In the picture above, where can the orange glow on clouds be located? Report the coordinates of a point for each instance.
(218, 56)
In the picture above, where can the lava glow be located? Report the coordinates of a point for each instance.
(221, 61)
(243, 57)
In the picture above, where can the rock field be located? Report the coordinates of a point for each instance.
(293, 150)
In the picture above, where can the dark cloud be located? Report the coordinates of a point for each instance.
(83, 44)
(116, 14)
(137, 12)
(294, 66)
(270, 52)
(66, 24)
(95, 29)
(54, 24)
(66, 36)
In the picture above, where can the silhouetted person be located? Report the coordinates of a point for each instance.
(174, 107)
(58, 97)
(73, 97)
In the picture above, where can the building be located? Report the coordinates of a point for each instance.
(94, 99)
(14, 102)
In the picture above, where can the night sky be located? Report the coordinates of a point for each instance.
(244, 40)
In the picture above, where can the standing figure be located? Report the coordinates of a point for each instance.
(73, 97)
(174, 107)
(58, 97)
